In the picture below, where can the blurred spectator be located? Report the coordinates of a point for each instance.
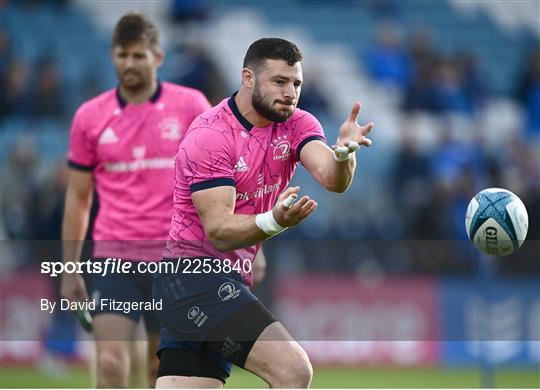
(40, 4)
(421, 93)
(46, 100)
(431, 220)
(381, 8)
(473, 82)
(19, 191)
(386, 60)
(4, 51)
(451, 94)
(519, 165)
(528, 94)
(189, 10)
(14, 89)
(410, 175)
(51, 205)
(197, 70)
(451, 158)
(91, 86)
(312, 98)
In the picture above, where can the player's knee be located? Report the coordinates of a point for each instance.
(153, 367)
(297, 372)
(112, 369)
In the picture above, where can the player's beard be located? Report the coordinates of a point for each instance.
(137, 82)
(264, 107)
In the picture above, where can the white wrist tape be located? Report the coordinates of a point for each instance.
(343, 153)
(268, 224)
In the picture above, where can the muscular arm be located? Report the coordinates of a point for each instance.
(335, 176)
(225, 230)
(74, 226)
(76, 213)
(228, 231)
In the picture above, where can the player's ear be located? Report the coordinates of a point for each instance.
(248, 78)
(160, 56)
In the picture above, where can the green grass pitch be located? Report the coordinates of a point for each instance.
(21, 377)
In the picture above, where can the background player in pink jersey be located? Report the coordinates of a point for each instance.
(123, 144)
(232, 174)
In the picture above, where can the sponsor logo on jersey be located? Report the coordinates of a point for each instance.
(193, 312)
(260, 191)
(197, 316)
(108, 137)
(170, 128)
(282, 148)
(141, 164)
(241, 165)
(228, 291)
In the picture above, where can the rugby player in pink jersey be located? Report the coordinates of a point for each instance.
(231, 193)
(123, 144)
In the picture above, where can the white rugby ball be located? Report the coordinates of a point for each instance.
(496, 221)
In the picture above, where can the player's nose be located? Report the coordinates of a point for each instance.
(289, 92)
(130, 62)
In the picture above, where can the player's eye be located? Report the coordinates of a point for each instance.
(280, 82)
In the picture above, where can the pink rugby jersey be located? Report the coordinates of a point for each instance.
(130, 150)
(223, 148)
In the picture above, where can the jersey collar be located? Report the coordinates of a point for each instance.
(234, 108)
(154, 98)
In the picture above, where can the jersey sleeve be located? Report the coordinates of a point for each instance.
(307, 129)
(82, 150)
(205, 158)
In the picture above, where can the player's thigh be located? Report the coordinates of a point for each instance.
(114, 327)
(114, 335)
(275, 352)
(113, 316)
(138, 376)
(186, 365)
(152, 348)
(152, 359)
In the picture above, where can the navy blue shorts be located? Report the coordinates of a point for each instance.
(130, 287)
(196, 305)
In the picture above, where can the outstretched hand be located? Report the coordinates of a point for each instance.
(351, 134)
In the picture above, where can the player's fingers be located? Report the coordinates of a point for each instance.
(352, 146)
(289, 201)
(366, 142)
(367, 128)
(341, 150)
(354, 112)
(288, 191)
(308, 205)
(308, 208)
(299, 204)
